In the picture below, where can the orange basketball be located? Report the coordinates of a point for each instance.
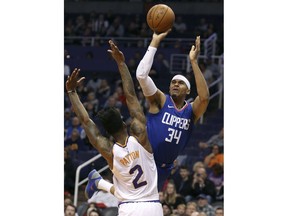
(160, 18)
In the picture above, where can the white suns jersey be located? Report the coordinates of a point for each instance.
(135, 173)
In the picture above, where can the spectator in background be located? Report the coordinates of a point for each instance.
(144, 30)
(93, 212)
(80, 25)
(91, 109)
(207, 73)
(75, 143)
(219, 211)
(217, 177)
(215, 139)
(100, 26)
(171, 197)
(183, 187)
(116, 29)
(104, 89)
(91, 206)
(180, 26)
(167, 210)
(92, 18)
(92, 100)
(70, 210)
(216, 156)
(202, 27)
(197, 165)
(120, 95)
(87, 34)
(75, 124)
(202, 185)
(67, 200)
(94, 83)
(161, 197)
(204, 206)
(133, 29)
(113, 102)
(190, 208)
(69, 31)
(180, 210)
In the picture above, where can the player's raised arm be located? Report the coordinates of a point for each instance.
(138, 125)
(102, 144)
(155, 97)
(201, 101)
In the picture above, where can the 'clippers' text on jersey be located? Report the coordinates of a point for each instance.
(175, 121)
(169, 130)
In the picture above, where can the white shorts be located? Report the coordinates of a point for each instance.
(140, 209)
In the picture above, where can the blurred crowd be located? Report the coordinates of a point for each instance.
(192, 189)
(118, 25)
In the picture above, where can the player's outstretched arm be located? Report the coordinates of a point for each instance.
(201, 101)
(155, 97)
(99, 142)
(138, 125)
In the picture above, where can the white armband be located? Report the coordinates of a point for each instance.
(148, 86)
(104, 185)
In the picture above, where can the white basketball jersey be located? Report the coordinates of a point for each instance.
(135, 173)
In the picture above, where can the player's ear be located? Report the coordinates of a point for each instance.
(188, 91)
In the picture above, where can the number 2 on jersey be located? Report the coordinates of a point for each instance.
(174, 134)
(139, 174)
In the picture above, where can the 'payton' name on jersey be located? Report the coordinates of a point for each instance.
(129, 157)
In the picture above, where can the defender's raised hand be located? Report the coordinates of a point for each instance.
(195, 49)
(116, 53)
(73, 81)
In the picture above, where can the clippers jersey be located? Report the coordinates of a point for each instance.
(135, 173)
(169, 130)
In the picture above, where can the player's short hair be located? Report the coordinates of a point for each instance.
(111, 119)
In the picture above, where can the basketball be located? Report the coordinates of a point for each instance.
(160, 18)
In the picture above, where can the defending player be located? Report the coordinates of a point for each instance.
(171, 119)
(130, 158)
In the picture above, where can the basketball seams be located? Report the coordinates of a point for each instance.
(153, 14)
(150, 17)
(162, 18)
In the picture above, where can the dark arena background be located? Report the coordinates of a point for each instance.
(88, 25)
